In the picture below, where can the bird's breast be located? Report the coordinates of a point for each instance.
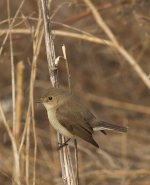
(57, 125)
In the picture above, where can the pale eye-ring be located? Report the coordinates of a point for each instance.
(50, 98)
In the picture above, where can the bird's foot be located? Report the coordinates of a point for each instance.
(63, 144)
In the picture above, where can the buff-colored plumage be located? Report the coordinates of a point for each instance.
(71, 117)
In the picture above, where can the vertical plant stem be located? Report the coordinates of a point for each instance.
(27, 171)
(19, 98)
(12, 72)
(67, 67)
(36, 49)
(65, 157)
(50, 51)
(12, 136)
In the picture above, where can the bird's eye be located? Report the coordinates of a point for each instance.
(50, 98)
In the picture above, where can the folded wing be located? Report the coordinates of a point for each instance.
(73, 119)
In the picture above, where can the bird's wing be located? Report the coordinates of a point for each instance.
(73, 116)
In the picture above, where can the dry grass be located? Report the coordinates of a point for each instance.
(108, 54)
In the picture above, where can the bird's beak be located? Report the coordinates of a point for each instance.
(39, 100)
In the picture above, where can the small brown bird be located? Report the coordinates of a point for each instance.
(69, 115)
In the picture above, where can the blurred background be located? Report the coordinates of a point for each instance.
(99, 74)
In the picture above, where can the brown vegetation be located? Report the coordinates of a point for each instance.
(108, 56)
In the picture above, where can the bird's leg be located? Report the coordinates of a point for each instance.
(63, 144)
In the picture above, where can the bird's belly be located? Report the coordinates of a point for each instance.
(55, 123)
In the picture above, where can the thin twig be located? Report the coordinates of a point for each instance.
(12, 73)
(67, 67)
(27, 149)
(86, 37)
(36, 50)
(83, 37)
(19, 98)
(72, 28)
(24, 130)
(13, 139)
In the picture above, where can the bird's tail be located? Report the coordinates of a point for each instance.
(101, 126)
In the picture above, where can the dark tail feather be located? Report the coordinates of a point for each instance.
(108, 126)
(104, 132)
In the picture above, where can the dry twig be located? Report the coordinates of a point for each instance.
(19, 98)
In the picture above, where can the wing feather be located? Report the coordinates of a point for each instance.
(73, 119)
